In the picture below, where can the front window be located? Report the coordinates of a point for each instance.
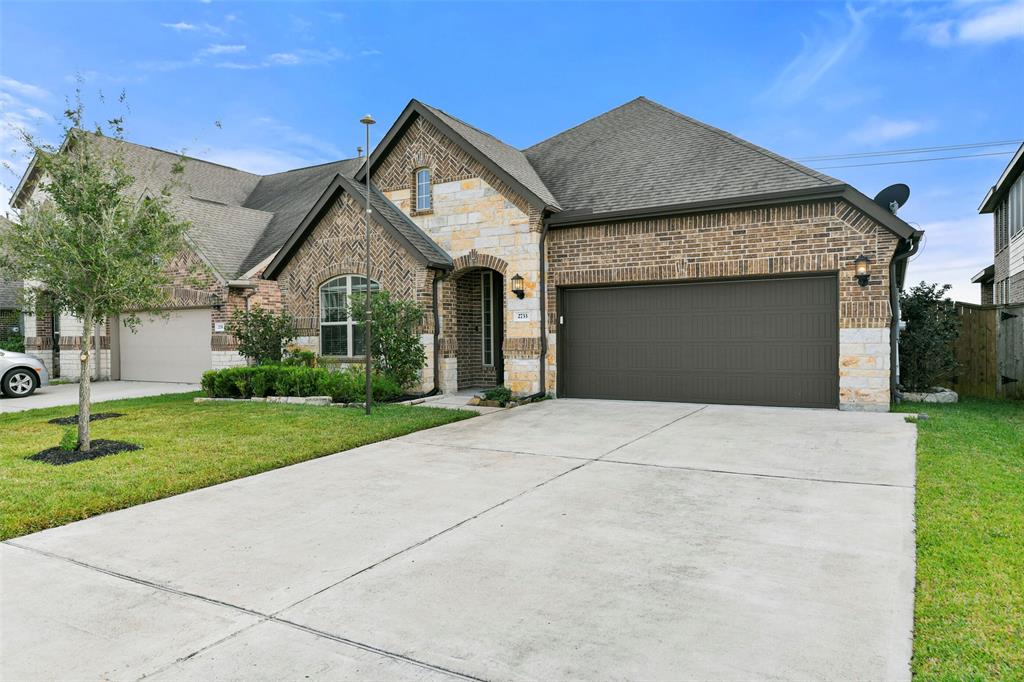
(423, 189)
(487, 313)
(339, 333)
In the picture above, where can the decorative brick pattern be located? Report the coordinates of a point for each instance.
(424, 146)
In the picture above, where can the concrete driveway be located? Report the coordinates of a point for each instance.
(567, 539)
(67, 394)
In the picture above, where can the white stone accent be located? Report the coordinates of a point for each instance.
(864, 369)
(226, 358)
(449, 375)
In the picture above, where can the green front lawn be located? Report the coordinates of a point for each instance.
(184, 446)
(969, 610)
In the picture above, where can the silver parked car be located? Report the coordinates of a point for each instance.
(21, 374)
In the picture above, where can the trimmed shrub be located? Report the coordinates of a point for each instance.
(499, 394)
(397, 351)
(280, 380)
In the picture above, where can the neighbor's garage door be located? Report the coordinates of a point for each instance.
(753, 342)
(176, 348)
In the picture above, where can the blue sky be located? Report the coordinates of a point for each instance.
(288, 82)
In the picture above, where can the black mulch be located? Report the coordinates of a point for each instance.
(64, 421)
(99, 448)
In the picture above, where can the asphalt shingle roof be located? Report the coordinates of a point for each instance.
(507, 157)
(10, 293)
(222, 232)
(643, 155)
(289, 197)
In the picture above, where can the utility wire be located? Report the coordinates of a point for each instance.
(934, 158)
(918, 150)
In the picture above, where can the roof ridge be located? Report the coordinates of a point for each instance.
(122, 140)
(583, 123)
(746, 143)
(315, 165)
(470, 125)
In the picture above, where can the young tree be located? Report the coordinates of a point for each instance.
(926, 345)
(397, 350)
(90, 243)
(261, 335)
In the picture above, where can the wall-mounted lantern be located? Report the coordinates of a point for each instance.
(216, 302)
(517, 285)
(862, 272)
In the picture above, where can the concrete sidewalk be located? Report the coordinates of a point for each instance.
(566, 539)
(67, 394)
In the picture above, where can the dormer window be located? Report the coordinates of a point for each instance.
(423, 189)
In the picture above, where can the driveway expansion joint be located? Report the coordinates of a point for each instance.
(263, 618)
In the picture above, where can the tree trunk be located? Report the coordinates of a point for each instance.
(84, 384)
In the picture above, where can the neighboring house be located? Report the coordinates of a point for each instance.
(639, 255)
(1004, 279)
(238, 219)
(10, 312)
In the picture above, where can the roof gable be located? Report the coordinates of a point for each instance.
(506, 162)
(386, 214)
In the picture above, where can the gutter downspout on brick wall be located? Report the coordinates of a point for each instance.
(437, 334)
(894, 297)
(543, 314)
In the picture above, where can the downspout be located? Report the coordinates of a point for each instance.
(543, 314)
(437, 335)
(894, 298)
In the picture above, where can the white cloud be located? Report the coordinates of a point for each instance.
(879, 130)
(22, 89)
(369, 53)
(223, 49)
(286, 58)
(820, 53)
(995, 24)
(181, 26)
(256, 160)
(954, 250)
(292, 58)
(185, 27)
(968, 23)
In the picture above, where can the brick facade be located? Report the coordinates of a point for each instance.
(804, 238)
(193, 285)
(482, 223)
(336, 246)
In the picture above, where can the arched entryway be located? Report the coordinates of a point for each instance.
(474, 322)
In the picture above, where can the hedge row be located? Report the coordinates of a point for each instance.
(265, 380)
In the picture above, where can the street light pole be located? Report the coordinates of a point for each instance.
(368, 121)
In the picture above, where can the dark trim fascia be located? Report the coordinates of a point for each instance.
(340, 183)
(986, 276)
(416, 108)
(17, 201)
(887, 219)
(1009, 176)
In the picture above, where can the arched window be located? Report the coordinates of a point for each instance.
(339, 334)
(423, 189)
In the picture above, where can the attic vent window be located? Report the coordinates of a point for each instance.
(423, 189)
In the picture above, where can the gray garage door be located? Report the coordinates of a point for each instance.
(752, 342)
(175, 348)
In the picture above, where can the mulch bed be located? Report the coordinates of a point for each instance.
(64, 421)
(99, 448)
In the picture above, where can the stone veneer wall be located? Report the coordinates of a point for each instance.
(814, 237)
(474, 217)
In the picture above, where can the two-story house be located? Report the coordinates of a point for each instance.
(1002, 282)
(638, 255)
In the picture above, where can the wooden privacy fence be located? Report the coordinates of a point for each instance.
(990, 351)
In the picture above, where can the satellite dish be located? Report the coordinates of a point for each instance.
(893, 197)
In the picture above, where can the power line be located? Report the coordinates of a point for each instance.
(934, 158)
(918, 150)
